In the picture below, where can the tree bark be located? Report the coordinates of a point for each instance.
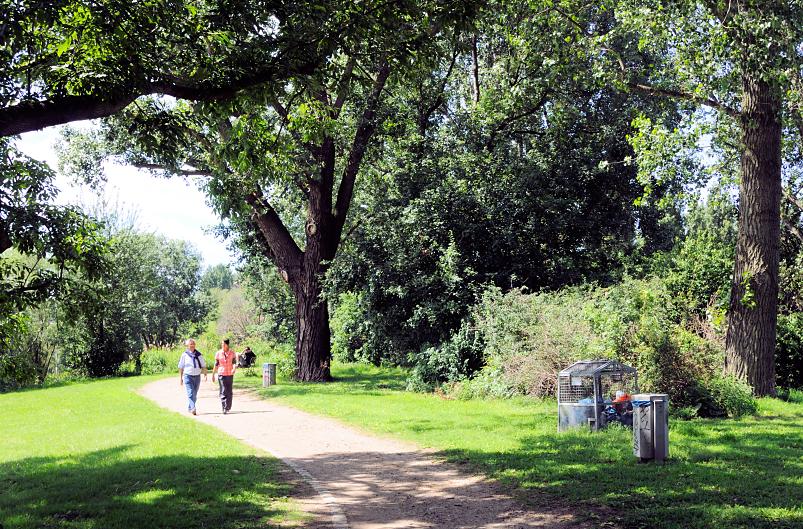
(750, 339)
(313, 348)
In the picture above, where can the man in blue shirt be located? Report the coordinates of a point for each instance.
(191, 365)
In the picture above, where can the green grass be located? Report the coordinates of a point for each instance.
(744, 473)
(97, 455)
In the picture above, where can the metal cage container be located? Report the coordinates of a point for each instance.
(586, 392)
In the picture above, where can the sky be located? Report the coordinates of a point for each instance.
(173, 207)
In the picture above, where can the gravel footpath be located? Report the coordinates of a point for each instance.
(360, 481)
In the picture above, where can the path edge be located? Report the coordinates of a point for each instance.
(338, 517)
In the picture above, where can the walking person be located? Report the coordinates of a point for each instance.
(191, 365)
(225, 366)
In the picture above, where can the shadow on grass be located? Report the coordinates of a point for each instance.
(727, 475)
(113, 489)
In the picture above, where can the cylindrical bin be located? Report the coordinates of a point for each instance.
(268, 375)
(651, 426)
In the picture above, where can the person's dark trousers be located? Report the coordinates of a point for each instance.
(226, 383)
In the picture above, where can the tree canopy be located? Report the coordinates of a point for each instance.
(397, 159)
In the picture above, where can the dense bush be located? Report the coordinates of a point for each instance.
(699, 269)
(733, 396)
(451, 361)
(269, 299)
(348, 327)
(281, 354)
(528, 338)
(155, 361)
(16, 370)
(789, 351)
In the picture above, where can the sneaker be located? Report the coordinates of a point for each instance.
(193, 412)
(225, 412)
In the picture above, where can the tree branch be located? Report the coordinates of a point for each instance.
(287, 254)
(792, 199)
(34, 115)
(343, 86)
(475, 68)
(502, 125)
(365, 130)
(676, 94)
(423, 118)
(285, 115)
(182, 172)
(794, 230)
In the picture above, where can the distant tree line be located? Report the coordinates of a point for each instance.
(90, 292)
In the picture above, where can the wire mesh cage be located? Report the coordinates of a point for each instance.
(594, 393)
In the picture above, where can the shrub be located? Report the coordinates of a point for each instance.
(16, 371)
(528, 338)
(488, 383)
(789, 351)
(154, 361)
(734, 396)
(452, 361)
(683, 413)
(28, 354)
(790, 395)
(281, 354)
(347, 325)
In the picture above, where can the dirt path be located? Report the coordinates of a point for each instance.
(362, 481)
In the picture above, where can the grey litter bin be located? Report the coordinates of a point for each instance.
(268, 375)
(651, 426)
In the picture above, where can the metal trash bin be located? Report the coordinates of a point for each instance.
(268, 375)
(651, 426)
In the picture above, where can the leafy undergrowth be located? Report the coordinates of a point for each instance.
(745, 473)
(97, 455)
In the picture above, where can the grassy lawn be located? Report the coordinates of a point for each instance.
(745, 473)
(97, 455)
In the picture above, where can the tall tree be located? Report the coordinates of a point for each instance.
(147, 296)
(742, 60)
(218, 276)
(297, 146)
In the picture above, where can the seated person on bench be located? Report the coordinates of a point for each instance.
(246, 358)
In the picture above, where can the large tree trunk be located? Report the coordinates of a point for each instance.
(750, 340)
(313, 349)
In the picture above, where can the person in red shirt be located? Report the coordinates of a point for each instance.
(225, 366)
